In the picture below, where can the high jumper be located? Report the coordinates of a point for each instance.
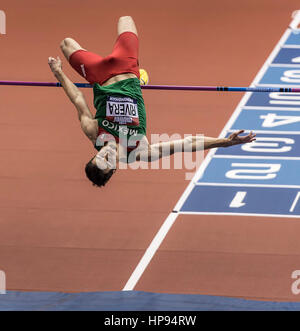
(118, 130)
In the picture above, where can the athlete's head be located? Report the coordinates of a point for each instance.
(101, 167)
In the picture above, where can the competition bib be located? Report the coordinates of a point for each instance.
(122, 110)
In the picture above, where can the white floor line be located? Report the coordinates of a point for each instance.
(295, 202)
(151, 250)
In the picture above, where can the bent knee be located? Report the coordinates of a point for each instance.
(125, 19)
(69, 46)
(126, 23)
(67, 42)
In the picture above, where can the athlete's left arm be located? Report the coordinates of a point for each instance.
(196, 143)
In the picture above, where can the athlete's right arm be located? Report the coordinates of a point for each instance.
(88, 124)
(196, 143)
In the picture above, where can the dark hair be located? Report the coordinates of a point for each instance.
(96, 175)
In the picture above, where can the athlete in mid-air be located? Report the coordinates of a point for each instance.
(118, 130)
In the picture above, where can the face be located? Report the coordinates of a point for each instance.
(106, 158)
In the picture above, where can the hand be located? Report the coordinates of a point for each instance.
(55, 64)
(235, 139)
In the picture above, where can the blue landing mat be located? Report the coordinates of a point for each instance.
(132, 301)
